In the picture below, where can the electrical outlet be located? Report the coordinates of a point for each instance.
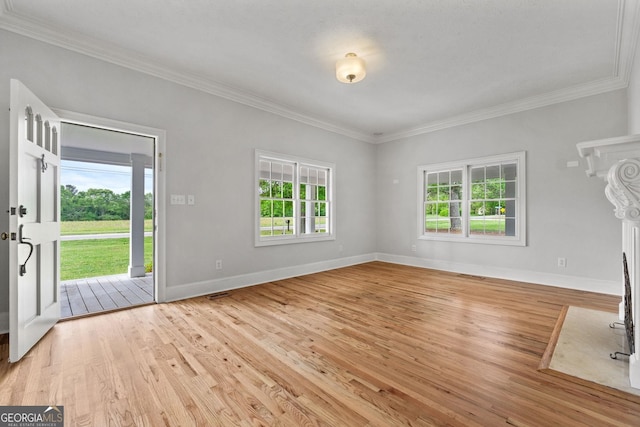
(191, 199)
(562, 262)
(218, 264)
(413, 248)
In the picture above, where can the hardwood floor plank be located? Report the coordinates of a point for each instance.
(370, 345)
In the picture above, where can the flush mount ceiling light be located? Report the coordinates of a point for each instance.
(350, 69)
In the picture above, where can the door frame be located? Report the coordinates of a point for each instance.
(159, 135)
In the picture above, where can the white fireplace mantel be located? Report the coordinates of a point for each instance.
(617, 161)
(601, 154)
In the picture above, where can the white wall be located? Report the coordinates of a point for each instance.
(210, 153)
(568, 215)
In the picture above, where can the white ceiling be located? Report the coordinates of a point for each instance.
(430, 63)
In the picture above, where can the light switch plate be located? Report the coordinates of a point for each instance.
(177, 199)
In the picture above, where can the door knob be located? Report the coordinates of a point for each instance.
(4, 236)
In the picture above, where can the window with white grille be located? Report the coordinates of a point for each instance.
(294, 200)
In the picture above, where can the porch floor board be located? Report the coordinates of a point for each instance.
(95, 294)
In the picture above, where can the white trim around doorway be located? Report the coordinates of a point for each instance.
(159, 269)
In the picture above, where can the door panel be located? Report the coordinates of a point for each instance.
(35, 219)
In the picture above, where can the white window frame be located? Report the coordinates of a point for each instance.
(297, 236)
(520, 237)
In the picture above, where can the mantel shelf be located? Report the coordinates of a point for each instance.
(601, 154)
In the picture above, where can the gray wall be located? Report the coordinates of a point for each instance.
(209, 153)
(210, 143)
(568, 214)
(633, 95)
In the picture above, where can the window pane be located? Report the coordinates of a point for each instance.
(265, 188)
(443, 178)
(431, 225)
(432, 192)
(276, 189)
(265, 227)
(288, 209)
(265, 169)
(455, 215)
(476, 225)
(477, 208)
(456, 176)
(287, 190)
(265, 208)
(288, 225)
(313, 176)
(287, 173)
(509, 171)
(322, 177)
(322, 193)
(304, 174)
(510, 227)
(493, 172)
(322, 209)
(432, 178)
(493, 189)
(510, 208)
(443, 225)
(303, 191)
(477, 174)
(477, 191)
(278, 208)
(510, 189)
(456, 192)
(276, 170)
(443, 192)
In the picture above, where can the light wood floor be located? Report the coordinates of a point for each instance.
(95, 294)
(370, 345)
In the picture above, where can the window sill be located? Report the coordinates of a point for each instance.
(505, 241)
(274, 241)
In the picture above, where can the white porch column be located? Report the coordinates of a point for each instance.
(136, 231)
(310, 214)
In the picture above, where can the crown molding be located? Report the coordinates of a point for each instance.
(542, 100)
(628, 28)
(80, 43)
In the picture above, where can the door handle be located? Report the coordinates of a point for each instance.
(21, 240)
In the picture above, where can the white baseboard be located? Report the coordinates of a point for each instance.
(190, 290)
(4, 322)
(549, 279)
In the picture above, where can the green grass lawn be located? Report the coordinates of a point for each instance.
(98, 257)
(477, 224)
(99, 227)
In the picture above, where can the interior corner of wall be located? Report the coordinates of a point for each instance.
(4, 322)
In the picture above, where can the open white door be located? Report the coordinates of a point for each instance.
(34, 252)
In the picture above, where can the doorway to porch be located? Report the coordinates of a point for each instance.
(107, 213)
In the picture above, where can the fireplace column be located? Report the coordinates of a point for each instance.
(617, 161)
(623, 190)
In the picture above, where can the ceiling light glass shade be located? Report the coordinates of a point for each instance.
(350, 69)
